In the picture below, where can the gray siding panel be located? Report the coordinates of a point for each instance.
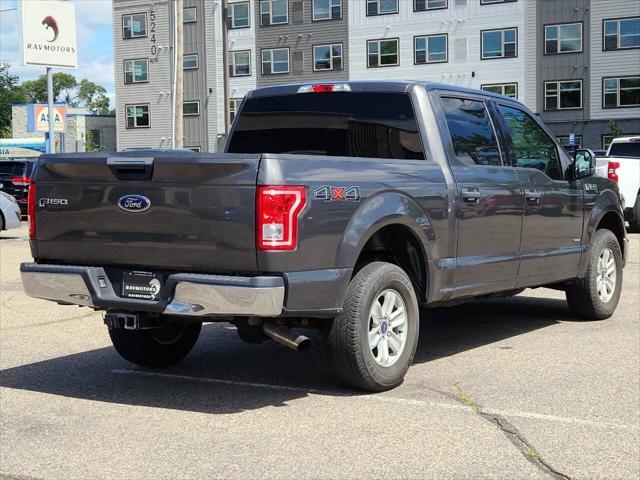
(565, 66)
(195, 81)
(300, 38)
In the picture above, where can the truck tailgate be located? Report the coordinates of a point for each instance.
(200, 214)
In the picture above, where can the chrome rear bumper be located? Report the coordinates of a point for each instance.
(193, 295)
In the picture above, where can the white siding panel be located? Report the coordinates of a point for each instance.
(611, 63)
(459, 22)
(244, 39)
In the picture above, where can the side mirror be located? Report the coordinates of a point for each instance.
(584, 163)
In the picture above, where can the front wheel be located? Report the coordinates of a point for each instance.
(157, 347)
(596, 296)
(634, 219)
(371, 344)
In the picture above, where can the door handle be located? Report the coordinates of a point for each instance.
(470, 195)
(532, 196)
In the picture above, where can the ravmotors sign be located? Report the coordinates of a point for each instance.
(38, 118)
(48, 33)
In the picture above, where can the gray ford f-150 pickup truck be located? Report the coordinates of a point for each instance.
(342, 207)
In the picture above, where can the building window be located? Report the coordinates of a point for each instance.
(621, 33)
(621, 92)
(327, 57)
(275, 61)
(191, 108)
(563, 95)
(383, 53)
(189, 15)
(190, 62)
(499, 43)
(430, 49)
(137, 116)
(134, 26)
(564, 140)
(423, 5)
(506, 89)
(234, 105)
(565, 38)
(381, 7)
(240, 63)
(274, 12)
(136, 71)
(95, 137)
(239, 13)
(327, 10)
(489, 2)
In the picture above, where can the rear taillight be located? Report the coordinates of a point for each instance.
(21, 181)
(278, 209)
(612, 171)
(31, 209)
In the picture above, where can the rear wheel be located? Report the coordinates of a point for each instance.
(596, 296)
(371, 344)
(157, 347)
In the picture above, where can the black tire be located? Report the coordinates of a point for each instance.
(159, 347)
(347, 342)
(582, 296)
(634, 217)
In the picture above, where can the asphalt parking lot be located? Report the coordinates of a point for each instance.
(509, 388)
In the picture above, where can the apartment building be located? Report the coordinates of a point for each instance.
(472, 43)
(556, 56)
(144, 73)
(588, 68)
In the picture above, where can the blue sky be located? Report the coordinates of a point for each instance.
(95, 43)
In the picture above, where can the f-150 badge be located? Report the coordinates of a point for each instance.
(337, 194)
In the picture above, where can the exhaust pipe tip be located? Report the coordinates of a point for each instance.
(304, 343)
(286, 337)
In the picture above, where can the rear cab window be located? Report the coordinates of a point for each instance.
(345, 124)
(625, 149)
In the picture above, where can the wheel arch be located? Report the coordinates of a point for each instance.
(604, 217)
(391, 226)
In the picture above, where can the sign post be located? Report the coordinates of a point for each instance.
(51, 144)
(48, 39)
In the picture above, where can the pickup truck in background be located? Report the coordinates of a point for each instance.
(342, 207)
(622, 165)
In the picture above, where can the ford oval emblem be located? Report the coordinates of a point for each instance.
(134, 203)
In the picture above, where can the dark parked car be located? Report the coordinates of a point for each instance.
(341, 207)
(15, 176)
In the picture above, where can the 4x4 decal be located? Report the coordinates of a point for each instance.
(337, 194)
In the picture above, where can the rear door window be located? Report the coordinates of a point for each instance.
(472, 134)
(372, 125)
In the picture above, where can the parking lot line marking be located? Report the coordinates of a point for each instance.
(384, 398)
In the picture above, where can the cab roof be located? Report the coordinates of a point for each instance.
(391, 86)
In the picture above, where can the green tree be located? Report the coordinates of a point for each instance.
(64, 86)
(89, 145)
(10, 93)
(93, 96)
(616, 131)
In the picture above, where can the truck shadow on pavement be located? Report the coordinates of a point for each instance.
(221, 375)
